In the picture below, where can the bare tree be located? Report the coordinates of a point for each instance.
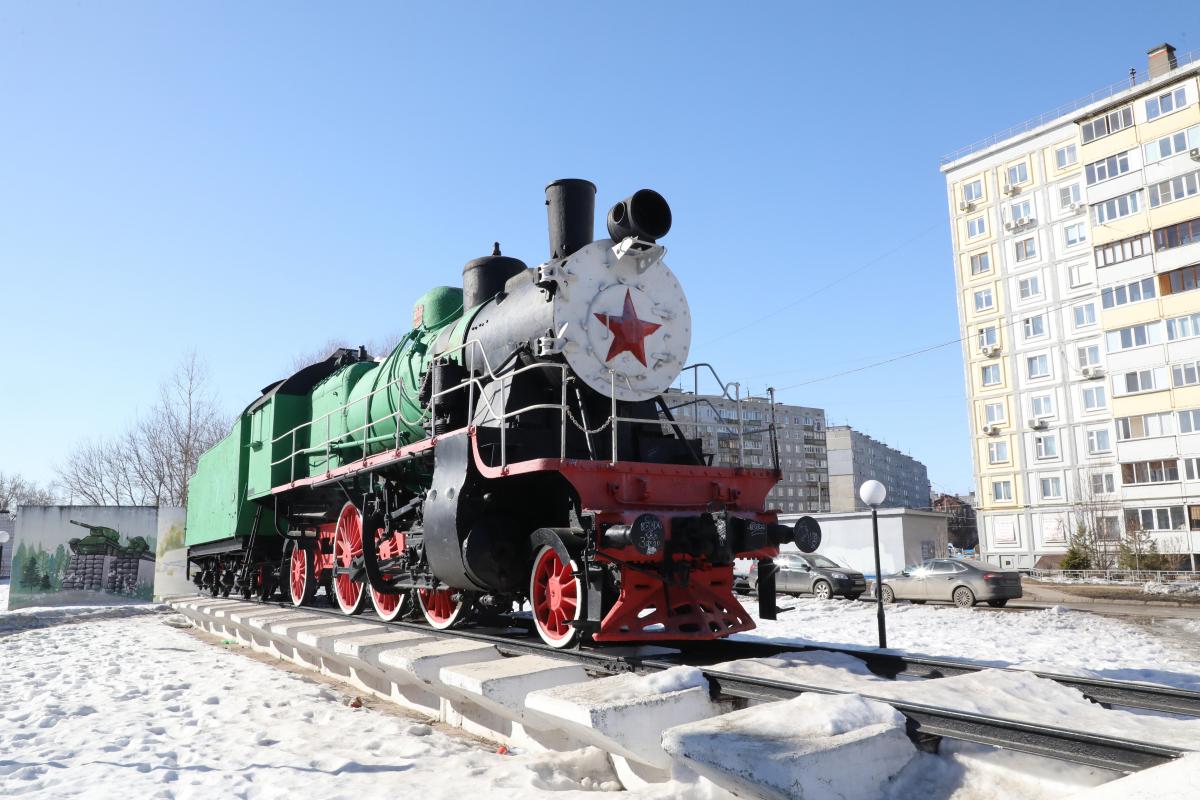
(1095, 512)
(16, 490)
(152, 462)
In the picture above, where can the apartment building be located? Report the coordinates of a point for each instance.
(1077, 258)
(855, 458)
(800, 432)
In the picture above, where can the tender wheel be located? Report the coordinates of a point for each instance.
(349, 594)
(854, 596)
(265, 589)
(822, 590)
(998, 603)
(887, 595)
(444, 608)
(963, 597)
(556, 596)
(302, 584)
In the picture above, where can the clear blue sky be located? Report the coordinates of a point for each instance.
(251, 179)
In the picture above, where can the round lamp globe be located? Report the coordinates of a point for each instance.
(873, 493)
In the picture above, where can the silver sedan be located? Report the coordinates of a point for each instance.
(964, 582)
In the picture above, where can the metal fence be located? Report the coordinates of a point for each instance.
(1181, 59)
(1117, 575)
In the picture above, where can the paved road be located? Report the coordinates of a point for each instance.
(1042, 596)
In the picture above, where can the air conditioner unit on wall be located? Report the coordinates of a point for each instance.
(1093, 372)
(990, 350)
(990, 430)
(1194, 153)
(1078, 206)
(1008, 226)
(1009, 188)
(966, 205)
(1037, 424)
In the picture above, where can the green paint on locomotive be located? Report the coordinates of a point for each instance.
(283, 437)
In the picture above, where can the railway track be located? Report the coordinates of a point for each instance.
(927, 725)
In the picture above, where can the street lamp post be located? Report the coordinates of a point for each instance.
(873, 493)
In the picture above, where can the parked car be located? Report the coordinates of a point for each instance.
(963, 582)
(813, 574)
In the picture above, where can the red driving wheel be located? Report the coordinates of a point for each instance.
(347, 546)
(556, 596)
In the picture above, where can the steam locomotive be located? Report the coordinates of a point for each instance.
(514, 447)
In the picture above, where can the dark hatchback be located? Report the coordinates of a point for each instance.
(812, 573)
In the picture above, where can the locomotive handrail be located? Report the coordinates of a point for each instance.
(363, 435)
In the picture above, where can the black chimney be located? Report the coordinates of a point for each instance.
(571, 212)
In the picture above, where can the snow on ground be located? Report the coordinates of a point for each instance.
(1050, 640)
(131, 707)
(1180, 587)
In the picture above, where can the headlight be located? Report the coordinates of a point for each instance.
(839, 576)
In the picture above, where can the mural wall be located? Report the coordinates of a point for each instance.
(83, 555)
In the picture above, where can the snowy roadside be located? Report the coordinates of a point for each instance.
(1052, 640)
(131, 707)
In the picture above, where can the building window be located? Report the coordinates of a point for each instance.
(1106, 168)
(1169, 518)
(991, 375)
(997, 452)
(1065, 156)
(1075, 234)
(1037, 366)
(1189, 421)
(1186, 327)
(1138, 381)
(1144, 426)
(1105, 124)
(983, 299)
(1166, 103)
(1185, 374)
(988, 337)
(1026, 249)
(1127, 293)
(1068, 195)
(1085, 315)
(1139, 472)
(1046, 446)
(1018, 173)
(1094, 398)
(1041, 405)
(1173, 189)
(1180, 280)
(1103, 483)
(1021, 212)
(1133, 336)
(1191, 467)
(1035, 326)
(1167, 146)
(1177, 235)
(1098, 441)
(1117, 207)
(1079, 275)
(1001, 490)
(1051, 488)
(1029, 287)
(976, 227)
(1088, 355)
(980, 263)
(1124, 250)
(994, 413)
(972, 191)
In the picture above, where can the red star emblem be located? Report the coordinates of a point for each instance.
(629, 332)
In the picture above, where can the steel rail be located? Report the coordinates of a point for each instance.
(926, 724)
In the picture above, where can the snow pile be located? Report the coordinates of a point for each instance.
(1051, 640)
(817, 715)
(675, 679)
(1179, 587)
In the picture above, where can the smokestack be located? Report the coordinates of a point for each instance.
(571, 212)
(1162, 60)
